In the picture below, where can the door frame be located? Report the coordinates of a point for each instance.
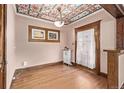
(3, 44)
(96, 26)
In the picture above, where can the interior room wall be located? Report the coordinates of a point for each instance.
(10, 45)
(36, 53)
(107, 34)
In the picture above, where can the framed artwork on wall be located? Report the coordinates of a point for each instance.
(53, 36)
(40, 34)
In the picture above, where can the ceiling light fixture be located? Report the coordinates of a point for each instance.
(60, 22)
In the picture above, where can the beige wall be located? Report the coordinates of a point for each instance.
(10, 36)
(36, 53)
(107, 35)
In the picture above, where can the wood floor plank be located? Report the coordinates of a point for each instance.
(59, 76)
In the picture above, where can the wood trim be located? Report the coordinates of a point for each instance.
(30, 27)
(96, 26)
(5, 50)
(113, 10)
(84, 67)
(38, 67)
(121, 8)
(103, 74)
(3, 18)
(112, 68)
(114, 51)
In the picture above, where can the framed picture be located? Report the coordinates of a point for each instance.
(36, 34)
(40, 34)
(54, 36)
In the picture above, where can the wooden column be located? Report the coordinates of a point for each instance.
(112, 66)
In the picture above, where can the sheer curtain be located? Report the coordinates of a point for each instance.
(86, 48)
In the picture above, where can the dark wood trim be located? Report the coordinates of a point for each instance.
(96, 26)
(112, 68)
(37, 67)
(3, 18)
(30, 27)
(5, 50)
(103, 74)
(121, 7)
(113, 10)
(84, 67)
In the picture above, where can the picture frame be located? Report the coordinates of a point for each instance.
(36, 34)
(40, 34)
(53, 36)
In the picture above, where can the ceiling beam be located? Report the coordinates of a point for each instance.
(113, 10)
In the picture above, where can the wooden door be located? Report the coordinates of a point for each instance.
(2, 45)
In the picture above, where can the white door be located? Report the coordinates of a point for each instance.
(86, 48)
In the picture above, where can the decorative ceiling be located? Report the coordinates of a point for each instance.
(70, 12)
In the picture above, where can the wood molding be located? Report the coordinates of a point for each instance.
(37, 67)
(113, 10)
(40, 66)
(112, 68)
(121, 8)
(3, 19)
(103, 74)
(96, 26)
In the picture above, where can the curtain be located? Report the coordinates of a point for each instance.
(86, 48)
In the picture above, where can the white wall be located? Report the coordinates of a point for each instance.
(107, 35)
(10, 36)
(121, 70)
(36, 53)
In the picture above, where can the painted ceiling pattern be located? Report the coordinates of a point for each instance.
(70, 12)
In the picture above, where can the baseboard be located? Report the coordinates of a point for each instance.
(103, 74)
(37, 66)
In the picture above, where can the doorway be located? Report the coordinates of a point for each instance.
(2, 46)
(87, 46)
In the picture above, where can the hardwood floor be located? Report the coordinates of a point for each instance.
(58, 76)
